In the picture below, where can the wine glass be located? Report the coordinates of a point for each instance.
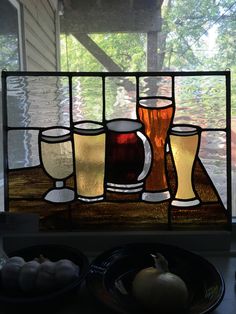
(55, 147)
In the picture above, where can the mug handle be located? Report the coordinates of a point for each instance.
(147, 156)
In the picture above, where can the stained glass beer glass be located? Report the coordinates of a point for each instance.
(156, 115)
(184, 142)
(55, 148)
(89, 152)
(128, 156)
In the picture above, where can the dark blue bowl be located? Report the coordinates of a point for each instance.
(111, 274)
(54, 253)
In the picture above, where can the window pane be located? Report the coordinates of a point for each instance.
(87, 99)
(201, 101)
(38, 101)
(9, 59)
(9, 40)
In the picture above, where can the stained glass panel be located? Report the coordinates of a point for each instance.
(158, 160)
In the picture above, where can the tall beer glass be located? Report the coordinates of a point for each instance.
(89, 150)
(156, 115)
(55, 147)
(184, 142)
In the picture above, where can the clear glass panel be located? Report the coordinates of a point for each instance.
(23, 149)
(155, 86)
(120, 97)
(201, 101)
(213, 156)
(87, 99)
(38, 101)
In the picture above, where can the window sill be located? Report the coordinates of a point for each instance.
(94, 242)
(224, 260)
(19, 230)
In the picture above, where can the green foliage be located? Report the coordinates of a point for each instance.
(187, 24)
(9, 56)
(184, 42)
(127, 50)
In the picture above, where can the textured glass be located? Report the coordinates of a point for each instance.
(57, 159)
(75, 161)
(155, 86)
(156, 116)
(87, 99)
(201, 101)
(213, 156)
(23, 149)
(38, 101)
(89, 164)
(184, 149)
(120, 98)
(128, 155)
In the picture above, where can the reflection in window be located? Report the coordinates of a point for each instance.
(9, 39)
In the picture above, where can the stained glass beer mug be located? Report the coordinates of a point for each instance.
(128, 156)
(55, 147)
(89, 150)
(184, 142)
(157, 115)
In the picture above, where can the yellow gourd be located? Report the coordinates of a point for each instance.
(159, 290)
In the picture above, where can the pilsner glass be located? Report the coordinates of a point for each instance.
(184, 142)
(156, 115)
(56, 157)
(89, 150)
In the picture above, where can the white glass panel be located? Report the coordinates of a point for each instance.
(38, 101)
(155, 86)
(23, 149)
(87, 99)
(120, 98)
(213, 156)
(201, 101)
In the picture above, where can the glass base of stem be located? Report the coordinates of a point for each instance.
(60, 195)
(185, 203)
(155, 196)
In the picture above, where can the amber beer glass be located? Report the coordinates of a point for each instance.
(184, 142)
(89, 154)
(156, 115)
